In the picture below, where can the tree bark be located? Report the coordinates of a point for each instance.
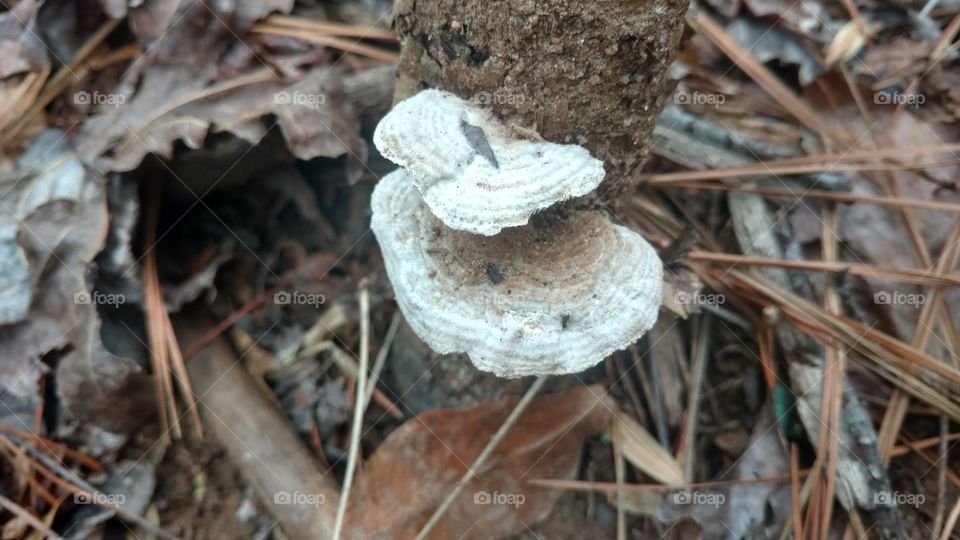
(590, 73)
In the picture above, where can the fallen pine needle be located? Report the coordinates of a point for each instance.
(363, 297)
(484, 455)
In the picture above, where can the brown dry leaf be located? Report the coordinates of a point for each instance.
(418, 465)
(150, 19)
(894, 57)
(810, 19)
(59, 212)
(774, 43)
(20, 47)
(176, 92)
(645, 452)
(680, 287)
(846, 44)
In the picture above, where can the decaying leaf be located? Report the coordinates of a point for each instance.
(20, 46)
(178, 92)
(773, 43)
(59, 213)
(645, 452)
(846, 44)
(418, 465)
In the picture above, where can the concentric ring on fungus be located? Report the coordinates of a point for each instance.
(474, 173)
(529, 301)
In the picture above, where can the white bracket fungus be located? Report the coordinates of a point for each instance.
(528, 301)
(474, 173)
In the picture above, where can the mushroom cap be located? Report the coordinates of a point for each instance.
(476, 174)
(529, 301)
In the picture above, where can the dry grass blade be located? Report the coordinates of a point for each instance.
(29, 518)
(904, 366)
(331, 28)
(866, 270)
(832, 405)
(164, 349)
(363, 298)
(645, 452)
(825, 196)
(59, 82)
(344, 45)
(780, 169)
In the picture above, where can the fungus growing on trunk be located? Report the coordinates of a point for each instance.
(474, 173)
(532, 300)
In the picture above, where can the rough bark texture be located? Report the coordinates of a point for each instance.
(591, 73)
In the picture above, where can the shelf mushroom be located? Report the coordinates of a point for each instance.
(475, 173)
(533, 300)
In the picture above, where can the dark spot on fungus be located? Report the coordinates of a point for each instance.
(564, 321)
(495, 276)
(478, 140)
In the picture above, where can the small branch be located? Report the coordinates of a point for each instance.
(358, 408)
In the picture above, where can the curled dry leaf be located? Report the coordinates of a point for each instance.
(474, 173)
(59, 212)
(20, 47)
(412, 472)
(846, 44)
(644, 451)
(529, 301)
(175, 93)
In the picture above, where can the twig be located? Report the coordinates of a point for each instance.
(80, 486)
(920, 277)
(363, 295)
(951, 521)
(824, 195)
(332, 28)
(484, 455)
(698, 353)
(31, 519)
(329, 41)
(381, 359)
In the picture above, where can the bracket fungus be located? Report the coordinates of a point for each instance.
(529, 301)
(475, 173)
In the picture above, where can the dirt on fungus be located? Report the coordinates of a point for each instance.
(521, 256)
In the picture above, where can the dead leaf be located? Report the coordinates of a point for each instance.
(59, 212)
(418, 465)
(178, 92)
(773, 43)
(846, 44)
(20, 47)
(645, 452)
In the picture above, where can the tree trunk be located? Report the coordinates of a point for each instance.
(591, 73)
